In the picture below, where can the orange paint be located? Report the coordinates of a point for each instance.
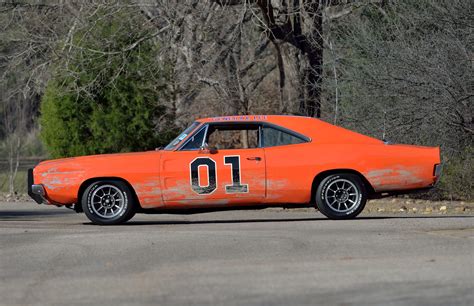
(268, 175)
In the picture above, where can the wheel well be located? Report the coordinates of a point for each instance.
(318, 179)
(87, 182)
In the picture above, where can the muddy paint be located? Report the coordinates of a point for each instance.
(395, 178)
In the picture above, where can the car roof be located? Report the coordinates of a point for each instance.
(296, 123)
(308, 126)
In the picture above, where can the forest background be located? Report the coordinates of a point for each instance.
(85, 77)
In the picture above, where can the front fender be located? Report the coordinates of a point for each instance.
(62, 179)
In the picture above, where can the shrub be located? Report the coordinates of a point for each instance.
(107, 94)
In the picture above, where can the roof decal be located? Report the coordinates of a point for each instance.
(240, 118)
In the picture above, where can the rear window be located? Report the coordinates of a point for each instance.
(274, 137)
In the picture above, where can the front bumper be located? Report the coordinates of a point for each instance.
(437, 171)
(36, 191)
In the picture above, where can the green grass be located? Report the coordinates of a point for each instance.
(19, 183)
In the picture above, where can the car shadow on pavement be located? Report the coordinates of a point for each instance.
(19, 214)
(164, 222)
(364, 218)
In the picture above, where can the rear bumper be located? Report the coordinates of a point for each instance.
(437, 171)
(36, 191)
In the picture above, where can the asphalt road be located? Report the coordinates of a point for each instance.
(51, 256)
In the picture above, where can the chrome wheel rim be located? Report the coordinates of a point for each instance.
(342, 195)
(107, 201)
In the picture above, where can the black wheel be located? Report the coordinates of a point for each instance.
(108, 202)
(341, 196)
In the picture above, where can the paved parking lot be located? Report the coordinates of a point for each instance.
(53, 256)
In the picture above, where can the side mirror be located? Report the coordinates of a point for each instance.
(205, 149)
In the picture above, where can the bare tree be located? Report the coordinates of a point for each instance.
(28, 38)
(299, 23)
(218, 60)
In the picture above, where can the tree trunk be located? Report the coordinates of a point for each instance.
(313, 46)
(313, 78)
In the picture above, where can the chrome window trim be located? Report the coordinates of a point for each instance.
(205, 135)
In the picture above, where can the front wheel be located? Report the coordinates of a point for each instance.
(341, 196)
(108, 202)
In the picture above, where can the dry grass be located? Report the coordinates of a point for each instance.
(19, 183)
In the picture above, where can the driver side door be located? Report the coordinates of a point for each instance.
(230, 170)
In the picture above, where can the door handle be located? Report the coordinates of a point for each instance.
(257, 158)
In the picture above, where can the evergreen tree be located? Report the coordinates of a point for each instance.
(108, 94)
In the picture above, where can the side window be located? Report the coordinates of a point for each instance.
(274, 137)
(232, 137)
(195, 142)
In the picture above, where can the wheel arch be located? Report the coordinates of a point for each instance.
(89, 181)
(320, 176)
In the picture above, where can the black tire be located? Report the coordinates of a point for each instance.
(96, 203)
(341, 196)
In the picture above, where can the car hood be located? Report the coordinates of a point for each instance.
(82, 163)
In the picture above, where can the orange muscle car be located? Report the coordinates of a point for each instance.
(238, 162)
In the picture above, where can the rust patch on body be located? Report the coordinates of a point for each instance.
(149, 192)
(200, 204)
(398, 177)
(56, 179)
(276, 188)
(277, 184)
(179, 189)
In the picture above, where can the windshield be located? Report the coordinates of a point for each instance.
(181, 136)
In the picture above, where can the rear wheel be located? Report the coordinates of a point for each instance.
(108, 202)
(341, 196)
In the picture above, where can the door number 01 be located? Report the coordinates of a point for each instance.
(234, 163)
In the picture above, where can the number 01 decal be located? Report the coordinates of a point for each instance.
(236, 187)
(210, 164)
(234, 163)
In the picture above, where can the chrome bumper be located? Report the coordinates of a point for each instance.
(36, 191)
(437, 171)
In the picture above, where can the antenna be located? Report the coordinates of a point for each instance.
(384, 124)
